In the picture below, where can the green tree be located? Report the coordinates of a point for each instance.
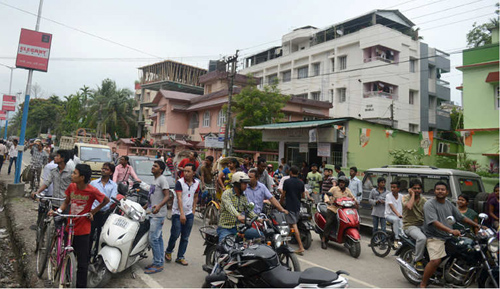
(480, 35)
(253, 106)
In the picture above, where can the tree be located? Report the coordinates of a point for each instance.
(253, 106)
(480, 35)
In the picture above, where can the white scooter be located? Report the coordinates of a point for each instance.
(123, 242)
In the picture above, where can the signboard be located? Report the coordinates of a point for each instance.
(313, 135)
(3, 115)
(303, 147)
(214, 142)
(34, 50)
(9, 102)
(324, 149)
(222, 129)
(327, 134)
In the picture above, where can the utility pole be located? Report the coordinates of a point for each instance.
(392, 114)
(228, 148)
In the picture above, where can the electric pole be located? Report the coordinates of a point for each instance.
(392, 114)
(232, 60)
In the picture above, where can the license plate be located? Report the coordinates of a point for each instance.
(121, 223)
(303, 210)
(287, 238)
(350, 212)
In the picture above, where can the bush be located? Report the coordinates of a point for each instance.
(448, 162)
(406, 157)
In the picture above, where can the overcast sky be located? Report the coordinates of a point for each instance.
(195, 31)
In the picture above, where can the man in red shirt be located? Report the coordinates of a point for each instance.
(191, 160)
(80, 196)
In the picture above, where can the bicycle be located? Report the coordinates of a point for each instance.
(205, 201)
(42, 234)
(61, 263)
(382, 242)
(211, 213)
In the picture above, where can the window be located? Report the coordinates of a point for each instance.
(341, 92)
(206, 119)
(221, 120)
(428, 182)
(315, 68)
(316, 95)
(413, 65)
(304, 95)
(209, 88)
(412, 97)
(443, 148)
(272, 78)
(302, 72)
(413, 127)
(470, 187)
(287, 76)
(343, 62)
(497, 97)
(331, 95)
(309, 118)
(194, 122)
(162, 119)
(333, 64)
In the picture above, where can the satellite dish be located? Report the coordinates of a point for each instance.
(340, 32)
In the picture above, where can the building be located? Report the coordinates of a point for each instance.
(481, 103)
(372, 67)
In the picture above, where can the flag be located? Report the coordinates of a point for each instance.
(467, 135)
(426, 140)
(390, 132)
(364, 136)
(340, 128)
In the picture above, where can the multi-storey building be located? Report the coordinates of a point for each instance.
(372, 67)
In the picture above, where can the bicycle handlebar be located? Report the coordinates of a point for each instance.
(49, 198)
(72, 216)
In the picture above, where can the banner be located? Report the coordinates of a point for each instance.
(426, 140)
(324, 149)
(313, 135)
(3, 115)
(34, 50)
(364, 136)
(303, 147)
(467, 135)
(390, 132)
(9, 102)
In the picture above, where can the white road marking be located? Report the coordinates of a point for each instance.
(146, 278)
(348, 277)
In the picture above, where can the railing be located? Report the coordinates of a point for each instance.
(441, 112)
(382, 94)
(379, 58)
(443, 83)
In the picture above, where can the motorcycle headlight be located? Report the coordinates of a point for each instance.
(493, 245)
(278, 240)
(284, 231)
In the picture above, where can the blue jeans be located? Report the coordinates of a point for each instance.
(179, 229)
(249, 234)
(376, 221)
(12, 160)
(156, 239)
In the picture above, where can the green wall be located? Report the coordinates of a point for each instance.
(485, 53)
(483, 142)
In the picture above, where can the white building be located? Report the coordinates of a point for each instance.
(369, 67)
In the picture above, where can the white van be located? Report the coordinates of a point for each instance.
(460, 182)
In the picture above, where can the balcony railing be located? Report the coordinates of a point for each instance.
(443, 83)
(379, 58)
(382, 94)
(441, 112)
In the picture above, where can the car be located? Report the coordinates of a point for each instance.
(459, 182)
(142, 166)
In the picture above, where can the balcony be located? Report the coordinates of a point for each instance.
(380, 89)
(382, 94)
(443, 120)
(443, 90)
(380, 53)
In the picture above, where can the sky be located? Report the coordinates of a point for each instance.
(98, 39)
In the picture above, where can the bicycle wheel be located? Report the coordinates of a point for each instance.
(51, 254)
(44, 243)
(380, 244)
(68, 272)
(211, 216)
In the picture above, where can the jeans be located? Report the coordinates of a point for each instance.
(376, 221)
(96, 225)
(12, 160)
(179, 229)
(38, 172)
(156, 239)
(416, 233)
(81, 247)
(249, 234)
(397, 224)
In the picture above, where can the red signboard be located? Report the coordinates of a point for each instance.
(3, 115)
(9, 102)
(34, 50)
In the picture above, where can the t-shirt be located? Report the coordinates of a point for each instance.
(294, 189)
(257, 196)
(492, 201)
(81, 203)
(415, 216)
(286, 168)
(207, 175)
(378, 209)
(156, 195)
(188, 193)
(435, 211)
(186, 161)
(227, 177)
(313, 179)
(471, 214)
(397, 203)
(328, 184)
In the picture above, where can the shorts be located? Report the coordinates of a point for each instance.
(292, 217)
(436, 248)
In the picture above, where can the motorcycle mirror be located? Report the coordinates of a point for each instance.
(251, 206)
(483, 216)
(450, 220)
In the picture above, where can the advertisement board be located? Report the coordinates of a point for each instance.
(214, 142)
(9, 102)
(3, 115)
(34, 50)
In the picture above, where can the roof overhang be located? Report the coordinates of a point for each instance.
(478, 65)
(297, 124)
(479, 129)
(493, 77)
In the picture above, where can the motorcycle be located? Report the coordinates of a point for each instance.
(347, 224)
(470, 257)
(304, 223)
(123, 242)
(258, 266)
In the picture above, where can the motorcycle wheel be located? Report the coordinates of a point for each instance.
(289, 260)
(354, 248)
(486, 281)
(211, 216)
(407, 255)
(210, 256)
(306, 239)
(380, 244)
(101, 277)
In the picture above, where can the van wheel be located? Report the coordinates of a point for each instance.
(479, 202)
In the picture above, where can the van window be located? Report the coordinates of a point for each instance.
(93, 154)
(469, 187)
(404, 180)
(429, 181)
(370, 180)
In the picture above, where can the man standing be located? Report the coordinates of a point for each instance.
(339, 171)
(355, 184)
(329, 181)
(170, 163)
(38, 160)
(46, 174)
(247, 163)
(13, 155)
(413, 220)
(394, 210)
(3, 153)
(187, 189)
(207, 178)
(59, 177)
(157, 198)
(257, 193)
(115, 156)
(263, 176)
(331, 197)
(124, 171)
(293, 191)
(377, 200)
(286, 167)
(437, 229)
(192, 159)
(314, 179)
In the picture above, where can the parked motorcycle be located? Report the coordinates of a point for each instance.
(347, 224)
(470, 257)
(123, 242)
(258, 266)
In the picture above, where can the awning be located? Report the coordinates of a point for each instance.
(297, 124)
(313, 112)
(492, 77)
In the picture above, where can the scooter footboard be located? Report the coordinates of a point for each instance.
(353, 233)
(111, 257)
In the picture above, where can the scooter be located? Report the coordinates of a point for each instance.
(347, 224)
(123, 242)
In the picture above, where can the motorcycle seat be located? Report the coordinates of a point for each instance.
(318, 276)
(322, 207)
(280, 277)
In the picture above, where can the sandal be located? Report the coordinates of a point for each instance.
(183, 262)
(145, 268)
(153, 269)
(300, 253)
(168, 257)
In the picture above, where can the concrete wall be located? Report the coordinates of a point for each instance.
(484, 142)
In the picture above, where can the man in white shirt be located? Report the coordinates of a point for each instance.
(46, 174)
(355, 184)
(394, 210)
(3, 152)
(13, 155)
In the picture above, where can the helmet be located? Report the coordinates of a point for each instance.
(344, 179)
(240, 177)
